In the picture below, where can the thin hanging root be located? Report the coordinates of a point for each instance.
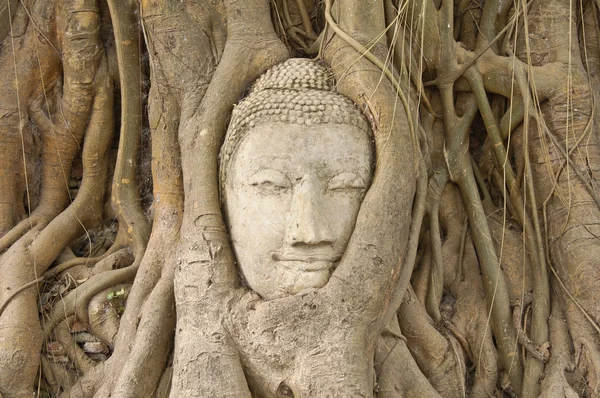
(20, 78)
(531, 226)
(567, 160)
(62, 136)
(419, 207)
(98, 144)
(461, 172)
(18, 291)
(403, 54)
(377, 62)
(574, 299)
(60, 144)
(94, 162)
(306, 20)
(587, 131)
(290, 30)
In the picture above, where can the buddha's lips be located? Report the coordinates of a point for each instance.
(306, 262)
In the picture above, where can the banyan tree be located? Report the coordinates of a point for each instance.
(299, 198)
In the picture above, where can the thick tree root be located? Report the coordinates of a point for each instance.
(398, 374)
(103, 317)
(77, 301)
(79, 359)
(432, 351)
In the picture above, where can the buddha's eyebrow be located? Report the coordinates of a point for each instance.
(351, 162)
(255, 159)
(271, 160)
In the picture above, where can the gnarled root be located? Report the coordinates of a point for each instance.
(103, 318)
(398, 374)
(437, 357)
(555, 384)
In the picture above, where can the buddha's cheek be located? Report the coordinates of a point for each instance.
(257, 227)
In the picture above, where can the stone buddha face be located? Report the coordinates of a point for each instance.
(292, 196)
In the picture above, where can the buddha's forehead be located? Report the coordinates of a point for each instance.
(293, 147)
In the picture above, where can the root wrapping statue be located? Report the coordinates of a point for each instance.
(295, 166)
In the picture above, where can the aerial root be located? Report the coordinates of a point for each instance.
(433, 352)
(155, 333)
(460, 338)
(85, 386)
(119, 259)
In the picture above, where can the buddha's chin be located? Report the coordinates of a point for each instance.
(288, 282)
(307, 280)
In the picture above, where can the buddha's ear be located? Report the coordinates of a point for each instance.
(367, 275)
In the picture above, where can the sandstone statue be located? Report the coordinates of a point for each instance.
(299, 198)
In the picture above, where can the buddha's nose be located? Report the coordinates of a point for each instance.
(308, 222)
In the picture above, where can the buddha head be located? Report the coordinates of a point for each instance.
(295, 165)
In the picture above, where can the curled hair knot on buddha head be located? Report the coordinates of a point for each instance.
(298, 91)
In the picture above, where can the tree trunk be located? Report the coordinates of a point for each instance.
(471, 266)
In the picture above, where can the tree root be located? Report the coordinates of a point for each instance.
(105, 263)
(431, 351)
(468, 318)
(78, 300)
(63, 335)
(555, 383)
(142, 371)
(104, 318)
(80, 268)
(31, 223)
(164, 385)
(400, 376)
(541, 353)
(57, 376)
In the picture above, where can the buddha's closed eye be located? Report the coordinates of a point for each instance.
(346, 181)
(270, 181)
